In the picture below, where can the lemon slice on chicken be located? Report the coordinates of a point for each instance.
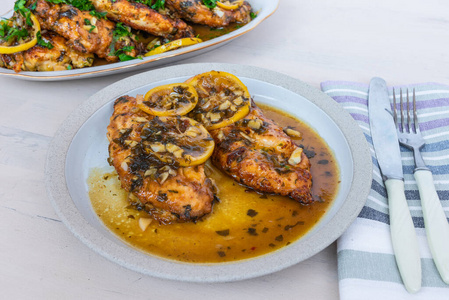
(169, 100)
(177, 140)
(222, 99)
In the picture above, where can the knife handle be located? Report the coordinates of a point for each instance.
(403, 236)
(437, 227)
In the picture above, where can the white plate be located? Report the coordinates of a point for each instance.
(81, 144)
(263, 8)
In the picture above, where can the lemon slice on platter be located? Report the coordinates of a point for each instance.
(229, 4)
(19, 43)
(169, 100)
(177, 140)
(174, 45)
(222, 99)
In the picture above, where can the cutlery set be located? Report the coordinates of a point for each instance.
(388, 132)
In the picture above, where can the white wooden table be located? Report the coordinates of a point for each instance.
(311, 40)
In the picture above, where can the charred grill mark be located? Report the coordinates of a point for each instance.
(162, 197)
(69, 13)
(187, 210)
(76, 44)
(120, 115)
(61, 56)
(236, 155)
(136, 182)
(186, 4)
(123, 99)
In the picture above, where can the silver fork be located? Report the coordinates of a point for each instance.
(437, 226)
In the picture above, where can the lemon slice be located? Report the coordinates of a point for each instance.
(177, 140)
(230, 4)
(169, 100)
(22, 46)
(222, 99)
(174, 45)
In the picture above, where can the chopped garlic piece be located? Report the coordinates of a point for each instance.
(191, 131)
(178, 153)
(144, 222)
(225, 105)
(158, 147)
(140, 119)
(220, 135)
(90, 28)
(246, 137)
(292, 132)
(164, 168)
(255, 124)
(295, 158)
(172, 148)
(131, 143)
(214, 117)
(163, 177)
(218, 12)
(238, 101)
(150, 172)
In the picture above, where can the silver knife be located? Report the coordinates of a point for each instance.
(386, 146)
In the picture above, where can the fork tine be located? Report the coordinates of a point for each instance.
(395, 115)
(409, 119)
(402, 112)
(415, 114)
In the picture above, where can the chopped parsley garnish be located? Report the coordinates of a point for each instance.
(121, 31)
(210, 3)
(252, 15)
(223, 232)
(8, 33)
(154, 4)
(252, 231)
(42, 42)
(251, 213)
(16, 33)
(154, 47)
(19, 7)
(83, 5)
(99, 15)
(122, 56)
(88, 23)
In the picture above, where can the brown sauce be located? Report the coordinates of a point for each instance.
(244, 224)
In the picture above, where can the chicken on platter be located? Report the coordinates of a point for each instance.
(109, 31)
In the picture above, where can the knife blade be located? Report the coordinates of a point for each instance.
(386, 147)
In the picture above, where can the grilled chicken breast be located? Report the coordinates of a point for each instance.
(141, 17)
(84, 32)
(173, 193)
(257, 153)
(60, 57)
(195, 11)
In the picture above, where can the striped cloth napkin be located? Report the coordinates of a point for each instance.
(366, 264)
